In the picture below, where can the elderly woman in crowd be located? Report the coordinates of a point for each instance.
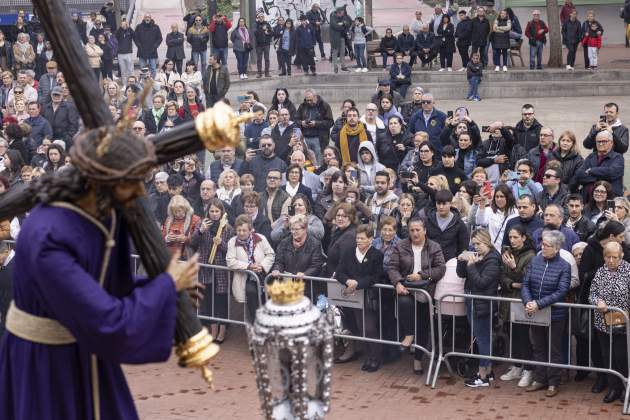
(546, 282)
(611, 287)
(229, 185)
(300, 205)
(179, 226)
(94, 54)
(23, 53)
(113, 95)
(516, 258)
(211, 235)
(415, 262)
(482, 270)
(362, 268)
(248, 251)
(591, 261)
(300, 252)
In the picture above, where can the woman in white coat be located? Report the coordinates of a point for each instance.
(248, 251)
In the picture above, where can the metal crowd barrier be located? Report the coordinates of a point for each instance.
(380, 287)
(209, 292)
(445, 353)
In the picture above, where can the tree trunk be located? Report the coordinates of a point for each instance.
(555, 40)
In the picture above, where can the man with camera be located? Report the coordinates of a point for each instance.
(219, 27)
(259, 162)
(609, 121)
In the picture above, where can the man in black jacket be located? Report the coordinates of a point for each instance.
(282, 133)
(148, 38)
(581, 225)
(463, 34)
(263, 34)
(260, 164)
(445, 226)
(314, 116)
(219, 27)
(527, 131)
(527, 217)
(480, 31)
(609, 122)
(81, 26)
(124, 36)
(62, 116)
(315, 17)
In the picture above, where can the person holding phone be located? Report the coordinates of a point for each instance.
(515, 259)
(481, 270)
(179, 226)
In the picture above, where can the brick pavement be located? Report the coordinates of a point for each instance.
(165, 392)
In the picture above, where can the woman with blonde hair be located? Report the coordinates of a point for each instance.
(179, 226)
(568, 154)
(113, 94)
(23, 53)
(482, 270)
(229, 186)
(20, 110)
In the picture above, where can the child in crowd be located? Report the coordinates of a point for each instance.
(474, 73)
(593, 41)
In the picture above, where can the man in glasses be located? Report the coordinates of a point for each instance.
(543, 153)
(527, 131)
(21, 90)
(604, 164)
(554, 191)
(430, 120)
(609, 121)
(261, 162)
(373, 124)
(139, 129)
(275, 200)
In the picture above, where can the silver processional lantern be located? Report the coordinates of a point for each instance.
(291, 343)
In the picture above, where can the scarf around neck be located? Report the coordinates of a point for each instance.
(347, 131)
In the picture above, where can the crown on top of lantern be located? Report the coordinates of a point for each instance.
(286, 292)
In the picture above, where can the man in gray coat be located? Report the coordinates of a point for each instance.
(339, 25)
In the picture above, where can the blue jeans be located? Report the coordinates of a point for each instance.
(473, 82)
(149, 62)
(481, 332)
(313, 144)
(359, 54)
(200, 59)
(535, 55)
(497, 53)
(242, 58)
(222, 53)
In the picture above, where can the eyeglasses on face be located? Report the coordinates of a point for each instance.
(426, 102)
(548, 176)
(273, 178)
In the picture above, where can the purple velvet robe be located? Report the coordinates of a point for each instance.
(57, 265)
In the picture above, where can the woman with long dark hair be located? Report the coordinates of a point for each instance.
(446, 34)
(206, 238)
(495, 216)
(596, 207)
(242, 46)
(281, 100)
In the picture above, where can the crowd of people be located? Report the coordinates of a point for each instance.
(400, 192)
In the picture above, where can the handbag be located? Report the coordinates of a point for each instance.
(615, 321)
(247, 46)
(580, 322)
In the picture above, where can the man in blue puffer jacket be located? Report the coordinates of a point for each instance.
(546, 282)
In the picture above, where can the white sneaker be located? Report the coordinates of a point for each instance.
(497, 68)
(568, 67)
(462, 69)
(450, 69)
(358, 69)
(364, 69)
(245, 76)
(240, 76)
(515, 372)
(526, 379)
(442, 69)
(504, 68)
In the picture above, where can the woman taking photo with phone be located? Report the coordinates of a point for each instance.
(482, 270)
